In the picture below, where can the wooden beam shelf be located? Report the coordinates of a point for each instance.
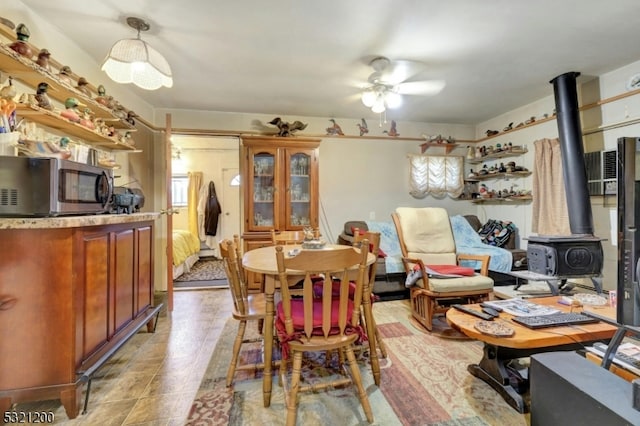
(448, 147)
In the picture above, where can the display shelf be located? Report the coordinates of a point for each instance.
(496, 156)
(506, 175)
(55, 121)
(517, 199)
(448, 147)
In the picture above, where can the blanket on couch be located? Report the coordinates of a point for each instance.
(390, 244)
(469, 242)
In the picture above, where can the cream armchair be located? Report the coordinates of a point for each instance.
(426, 238)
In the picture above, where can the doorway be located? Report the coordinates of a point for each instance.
(230, 202)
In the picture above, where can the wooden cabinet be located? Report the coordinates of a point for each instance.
(281, 190)
(68, 298)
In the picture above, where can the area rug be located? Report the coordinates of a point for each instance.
(424, 381)
(206, 272)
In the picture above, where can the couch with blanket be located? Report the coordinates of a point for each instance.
(390, 274)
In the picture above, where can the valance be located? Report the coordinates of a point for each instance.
(437, 175)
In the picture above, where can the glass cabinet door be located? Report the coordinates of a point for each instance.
(263, 211)
(299, 177)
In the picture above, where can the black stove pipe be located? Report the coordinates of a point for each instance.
(571, 146)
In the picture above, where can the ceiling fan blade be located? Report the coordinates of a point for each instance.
(400, 70)
(427, 87)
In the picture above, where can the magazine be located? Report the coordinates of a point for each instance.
(522, 307)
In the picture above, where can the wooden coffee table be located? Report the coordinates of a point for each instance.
(500, 351)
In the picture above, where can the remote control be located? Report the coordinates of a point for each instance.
(473, 312)
(495, 308)
(489, 310)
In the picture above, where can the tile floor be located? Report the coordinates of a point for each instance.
(153, 379)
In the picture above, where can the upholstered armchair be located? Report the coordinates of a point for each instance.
(427, 245)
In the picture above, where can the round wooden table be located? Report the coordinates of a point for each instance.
(263, 260)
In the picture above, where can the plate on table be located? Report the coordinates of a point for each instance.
(495, 329)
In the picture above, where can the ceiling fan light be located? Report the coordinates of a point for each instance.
(378, 106)
(393, 99)
(368, 98)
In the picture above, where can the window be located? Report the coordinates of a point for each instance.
(235, 181)
(179, 190)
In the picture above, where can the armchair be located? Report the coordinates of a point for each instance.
(426, 238)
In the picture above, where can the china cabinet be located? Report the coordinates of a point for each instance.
(280, 177)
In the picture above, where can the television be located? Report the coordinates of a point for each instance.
(628, 288)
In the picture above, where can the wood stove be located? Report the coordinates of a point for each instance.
(579, 254)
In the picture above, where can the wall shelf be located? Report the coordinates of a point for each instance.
(507, 200)
(506, 175)
(496, 156)
(448, 147)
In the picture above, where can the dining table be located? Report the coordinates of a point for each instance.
(263, 260)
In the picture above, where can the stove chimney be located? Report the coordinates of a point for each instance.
(573, 166)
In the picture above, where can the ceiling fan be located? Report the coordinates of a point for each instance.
(388, 83)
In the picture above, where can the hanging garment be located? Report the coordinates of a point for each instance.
(212, 211)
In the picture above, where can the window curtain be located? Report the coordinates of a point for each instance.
(549, 207)
(436, 175)
(193, 194)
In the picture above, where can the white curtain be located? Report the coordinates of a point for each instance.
(436, 175)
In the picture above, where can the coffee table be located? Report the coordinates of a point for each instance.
(498, 352)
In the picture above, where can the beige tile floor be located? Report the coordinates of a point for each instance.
(153, 379)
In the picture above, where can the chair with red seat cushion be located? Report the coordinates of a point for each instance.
(311, 324)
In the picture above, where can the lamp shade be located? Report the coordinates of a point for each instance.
(134, 61)
(368, 98)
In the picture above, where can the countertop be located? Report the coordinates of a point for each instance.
(74, 221)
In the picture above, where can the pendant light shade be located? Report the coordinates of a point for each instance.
(134, 61)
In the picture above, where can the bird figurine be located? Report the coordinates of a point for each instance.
(21, 45)
(42, 98)
(70, 112)
(363, 127)
(65, 75)
(8, 92)
(393, 131)
(286, 129)
(43, 59)
(83, 86)
(335, 129)
(130, 118)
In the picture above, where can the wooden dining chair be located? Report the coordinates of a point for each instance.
(374, 248)
(246, 307)
(311, 324)
(290, 237)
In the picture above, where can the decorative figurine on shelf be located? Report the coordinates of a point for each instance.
(363, 127)
(21, 45)
(286, 129)
(102, 96)
(130, 118)
(43, 59)
(70, 112)
(509, 127)
(471, 152)
(491, 132)
(393, 131)
(8, 92)
(83, 86)
(65, 75)
(87, 119)
(42, 98)
(335, 129)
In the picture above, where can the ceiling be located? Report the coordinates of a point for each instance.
(310, 58)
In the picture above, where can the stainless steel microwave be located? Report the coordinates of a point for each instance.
(42, 187)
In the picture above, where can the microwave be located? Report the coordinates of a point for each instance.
(44, 187)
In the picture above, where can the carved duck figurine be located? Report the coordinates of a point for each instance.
(335, 129)
(102, 96)
(42, 98)
(363, 127)
(65, 75)
(21, 45)
(70, 112)
(83, 86)
(43, 59)
(393, 131)
(8, 92)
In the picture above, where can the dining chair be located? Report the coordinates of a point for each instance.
(246, 307)
(426, 240)
(310, 324)
(290, 237)
(374, 248)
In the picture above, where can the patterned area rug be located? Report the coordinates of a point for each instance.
(206, 272)
(424, 382)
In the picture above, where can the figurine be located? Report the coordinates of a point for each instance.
(392, 131)
(70, 112)
(102, 97)
(83, 86)
(8, 92)
(21, 45)
(287, 129)
(43, 59)
(42, 98)
(335, 129)
(130, 118)
(363, 127)
(87, 119)
(509, 127)
(491, 132)
(65, 75)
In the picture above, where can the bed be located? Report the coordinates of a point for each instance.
(185, 251)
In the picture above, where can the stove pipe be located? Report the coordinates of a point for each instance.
(573, 165)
